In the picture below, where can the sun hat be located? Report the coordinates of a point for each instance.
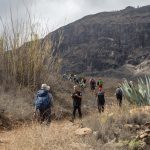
(45, 87)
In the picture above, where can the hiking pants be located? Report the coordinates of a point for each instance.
(101, 108)
(79, 111)
(101, 105)
(45, 115)
(92, 87)
(119, 100)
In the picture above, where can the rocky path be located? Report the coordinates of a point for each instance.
(58, 136)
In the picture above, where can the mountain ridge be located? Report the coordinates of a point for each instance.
(107, 40)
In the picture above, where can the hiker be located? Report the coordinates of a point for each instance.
(101, 100)
(119, 95)
(92, 84)
(71, 77)
(100, 84)
(84, 81)
(131, 84)
(65, 76)
(43, 104)
(76, 79)
(77, 99)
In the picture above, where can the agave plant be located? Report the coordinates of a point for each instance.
(139, 93)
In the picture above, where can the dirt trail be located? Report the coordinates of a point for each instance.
(59, 135)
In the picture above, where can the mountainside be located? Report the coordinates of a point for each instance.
(104, 41)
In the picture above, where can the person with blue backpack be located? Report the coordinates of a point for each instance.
(43, 104)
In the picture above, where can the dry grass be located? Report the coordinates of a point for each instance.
(17, 104)
(24, 63)
(61, 134)
(58, 136)
(110, 125)
(29, 66)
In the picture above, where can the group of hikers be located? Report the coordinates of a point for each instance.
(81, 81)
(44, 100)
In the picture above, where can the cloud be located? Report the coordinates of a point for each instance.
(56, 13)
(14, 5)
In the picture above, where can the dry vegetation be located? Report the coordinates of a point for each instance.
(110, 131)
(58, 136)
(22, 70)
(116, 128)
(24, 67)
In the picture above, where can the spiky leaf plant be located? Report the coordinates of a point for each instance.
(139, 93)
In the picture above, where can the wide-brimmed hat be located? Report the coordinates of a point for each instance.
(45, 87)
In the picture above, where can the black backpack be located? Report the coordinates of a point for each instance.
(119, 92)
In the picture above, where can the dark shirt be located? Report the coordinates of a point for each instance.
(92, 83)
(77, 100)
(101, 98)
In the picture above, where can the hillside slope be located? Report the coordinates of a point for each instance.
(103, 41)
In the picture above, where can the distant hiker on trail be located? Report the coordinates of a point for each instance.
(100, 84)
(101, 100)
(77, 100)
(131, 84)
(119, 95)
(82, 83)
(65, 76)
(43, 104)
(92, 84)
(76, 79)
(84, 80)
(71, 77)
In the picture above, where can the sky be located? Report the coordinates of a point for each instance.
(52, 14)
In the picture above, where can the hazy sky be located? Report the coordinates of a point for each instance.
(56, 13)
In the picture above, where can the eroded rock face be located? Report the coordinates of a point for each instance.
(103, 41)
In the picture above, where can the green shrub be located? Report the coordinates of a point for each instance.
(134, 145)
(139, 93)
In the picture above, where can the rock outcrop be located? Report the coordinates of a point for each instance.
(104, 41)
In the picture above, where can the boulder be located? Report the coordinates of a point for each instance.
(143, 146)
(137, 127)
(146, 140)
(144, 135)
(147, 131)
(147, 125)
(128, 126)
(83, 131)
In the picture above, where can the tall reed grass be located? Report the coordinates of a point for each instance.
(23, 55)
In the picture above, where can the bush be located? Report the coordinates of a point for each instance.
(137, 94)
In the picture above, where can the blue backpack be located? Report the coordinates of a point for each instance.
(42, 101)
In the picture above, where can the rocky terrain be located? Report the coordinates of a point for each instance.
(110, 44)
(115, 42)
(117, 128)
